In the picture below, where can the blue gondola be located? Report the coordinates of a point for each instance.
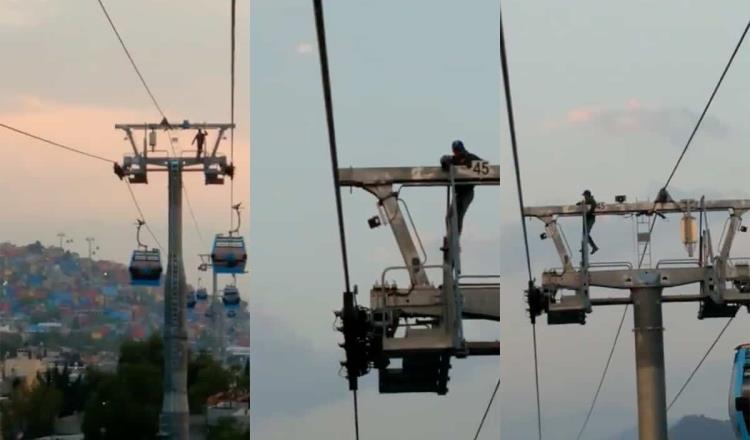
(145, 267)
(229, 254)
(739, 393)
(190, 300)
(201, 294)
(231, 297)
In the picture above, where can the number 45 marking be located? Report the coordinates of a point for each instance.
(481, 167)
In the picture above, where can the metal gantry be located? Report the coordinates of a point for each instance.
(174, 419)
(421, 324)
(723, 287)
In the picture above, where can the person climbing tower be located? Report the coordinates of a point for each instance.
(590, 218)
(464, 192)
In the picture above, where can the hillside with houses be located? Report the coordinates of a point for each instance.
(55, 299)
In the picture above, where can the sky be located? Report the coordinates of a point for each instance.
(408, 78)
(605, 96)
(66, 78)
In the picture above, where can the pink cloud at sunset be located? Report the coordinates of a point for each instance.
(580, 115)
(636, 117)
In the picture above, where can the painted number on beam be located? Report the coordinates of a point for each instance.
(480, 167)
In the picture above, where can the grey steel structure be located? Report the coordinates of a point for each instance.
(421, 324)
(724, 287)
(216, 308)
(174, 419)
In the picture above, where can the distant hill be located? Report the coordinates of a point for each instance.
(701, 427)
(56, 297)
(691, 428)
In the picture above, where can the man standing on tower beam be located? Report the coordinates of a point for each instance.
(200, 139)
(590, 218)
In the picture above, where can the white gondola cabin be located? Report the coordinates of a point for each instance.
(231, 297)
(191, 299)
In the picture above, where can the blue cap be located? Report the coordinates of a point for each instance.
(458, 146)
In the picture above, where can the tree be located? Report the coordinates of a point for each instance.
(126, 405)
(206, 377)
(72, 392)
(9, 343)
(227, 429)
(31, 411)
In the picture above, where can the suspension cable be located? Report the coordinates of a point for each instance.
(192, 216)
(708, 104)
(326, 80)
(142, 217)
(132, 61)
(56, 144)
(604, 373)
(231, 110)
(700, 363)
(699, 122)
(519, 188)
(487, 410)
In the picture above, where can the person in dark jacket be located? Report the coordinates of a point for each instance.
(464, 192)
(590, 202)
(200, 139)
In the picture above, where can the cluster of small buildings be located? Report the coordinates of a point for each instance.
(50, 295)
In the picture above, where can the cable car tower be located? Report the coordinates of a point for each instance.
(724, 286)
(174, 418)
(421, 324)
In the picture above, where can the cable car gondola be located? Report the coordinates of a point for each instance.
(229, 254)
(231, 297)
(201, 294)
(739, 393)
(145, 265)
(191, 300)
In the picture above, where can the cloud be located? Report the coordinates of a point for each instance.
(636, 117)
(304, 48)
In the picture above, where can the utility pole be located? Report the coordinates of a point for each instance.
(217, 315)
(723, 288)
(92, 248)
(174, 419)
(92, 252)
(61, 236)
